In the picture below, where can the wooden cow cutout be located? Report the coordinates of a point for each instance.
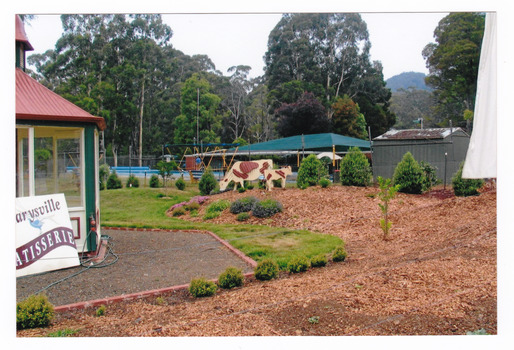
(276, 174)
(245, 171)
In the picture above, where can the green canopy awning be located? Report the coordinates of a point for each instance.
(313, 143)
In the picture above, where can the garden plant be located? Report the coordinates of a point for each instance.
(386, 194)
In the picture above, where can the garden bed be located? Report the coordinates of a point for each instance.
(437, 275)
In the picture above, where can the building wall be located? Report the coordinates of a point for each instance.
(388, 153)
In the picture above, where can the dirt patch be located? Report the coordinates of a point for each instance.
(437, 275)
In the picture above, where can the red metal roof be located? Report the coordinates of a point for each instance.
(36, 102)
(21, 35)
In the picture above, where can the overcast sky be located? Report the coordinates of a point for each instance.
(397, 39)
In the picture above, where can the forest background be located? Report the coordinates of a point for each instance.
(318, 77)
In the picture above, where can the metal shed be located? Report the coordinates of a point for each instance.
(443, 148)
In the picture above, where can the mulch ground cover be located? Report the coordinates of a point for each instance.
(435, 276)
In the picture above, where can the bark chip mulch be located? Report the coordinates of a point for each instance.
(436, 275)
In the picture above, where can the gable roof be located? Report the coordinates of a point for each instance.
(36, 102)
(419, 134)
(314, 142)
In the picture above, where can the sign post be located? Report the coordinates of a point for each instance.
(44, 235)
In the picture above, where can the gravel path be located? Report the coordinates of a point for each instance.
(146, 260)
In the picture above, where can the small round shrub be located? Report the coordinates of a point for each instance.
(242, 216)
(208, 183)
(465, 187)
(192, 206)
(154, 181)
(178, 211)
(324, 182)
(212, 215)
(298, 264)
(132, 181)
(100, 311)
(241, 190)
(218, 206)
(35, 311)
(230, 278)
(266, 269)
(319, 260)
(113, 182)
(355, 169)
(266, 208)
(311, 170)
(200, 287)
(180, 184)
(339, 254)
(242, 205)
(409, 176)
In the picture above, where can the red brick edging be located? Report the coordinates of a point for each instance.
(154, 292)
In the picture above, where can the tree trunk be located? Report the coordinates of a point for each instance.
(141, 123)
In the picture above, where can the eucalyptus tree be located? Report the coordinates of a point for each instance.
(328, 54)
(453, 63)
(236, 98)
(199, 119)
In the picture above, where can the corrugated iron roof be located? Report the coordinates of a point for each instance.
(418, 134)
(36, 102)
(21, 36)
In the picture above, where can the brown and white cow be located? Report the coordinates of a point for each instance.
(276, 174)
(245, 171)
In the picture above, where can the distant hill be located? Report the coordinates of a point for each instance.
(406, 80)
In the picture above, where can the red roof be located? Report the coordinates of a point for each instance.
(21, 35)
(36, 102)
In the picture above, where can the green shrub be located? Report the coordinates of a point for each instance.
(113, 182)
(218, 206)
(242, 205)
(242, 216)
(266, 269)
(192, 206)
(430, 175)
(180, 184)
(324, 182)
(209, 216)
(465, 187)
(409, 176)
(355, 169)
(298, 264)
(200, 287)
(311, 170)
(266, 208)
(100, 311)
(208, 183)
(35, 311)
(154, 181)
(319, 260)
(132, 181)
(241, 190)
(230, 278)
(178, 211)
(103, 173)
(339, 254)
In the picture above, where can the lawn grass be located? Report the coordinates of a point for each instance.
(146, 208)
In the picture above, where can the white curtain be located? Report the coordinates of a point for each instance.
(481, 157)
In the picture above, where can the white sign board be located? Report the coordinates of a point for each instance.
(44, 235)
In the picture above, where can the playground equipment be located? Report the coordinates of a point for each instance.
(245, 171)
(276, 174)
